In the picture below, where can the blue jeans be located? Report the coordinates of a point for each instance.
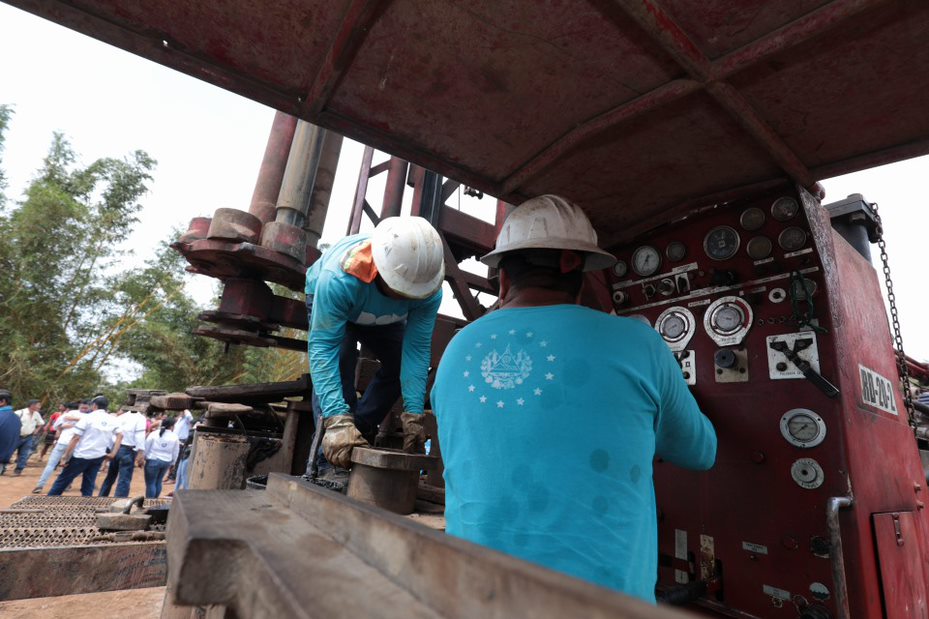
(78, 466)
(181, 476)
(122, 465)
(386, 342)
(53, 460)
(154, 473)
(25, 447)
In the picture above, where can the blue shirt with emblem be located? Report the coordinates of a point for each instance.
(338, 298)
(549, 420)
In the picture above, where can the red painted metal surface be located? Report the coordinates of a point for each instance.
(273, 163)
(605, 102)
(763, 530)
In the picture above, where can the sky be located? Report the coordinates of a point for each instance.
(209, 142)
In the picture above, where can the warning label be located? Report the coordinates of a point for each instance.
(877, 391)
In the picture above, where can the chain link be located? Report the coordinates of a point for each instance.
(895, 320)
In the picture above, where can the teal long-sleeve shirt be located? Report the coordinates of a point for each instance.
(339, 298)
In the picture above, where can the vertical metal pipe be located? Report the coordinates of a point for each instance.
(393, 190)
(836, 554)
(271, 172)
(300, 174)
(503, 209)
(361, 191)
(322, 187)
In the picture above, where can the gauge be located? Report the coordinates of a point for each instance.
(721, 243)
(752, 218)
(646, 260)
(620, 297)
(792, 238)
(675, 251)
(759, 247)
(802, 427)
(620, 269)
(785, 208)
(728, 318)
(676, 326)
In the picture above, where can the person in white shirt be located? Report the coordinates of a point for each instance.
(32, 422)
(87, 449)
(64, 426)
(161, 449)
(182, 427)
(124, 458)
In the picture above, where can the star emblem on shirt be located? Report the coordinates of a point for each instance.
(537, 391)
(499, 403)
(494, 336)
(467, 373)
(478, 345)
(468, 358)
(549, 376)
(471, 388)
(543, 344)
(483, 399)
(512, 331)
(520, 401)
(550, 357)
(529, 334)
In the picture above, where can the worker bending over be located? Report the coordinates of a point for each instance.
(550, 414)
(382, 289)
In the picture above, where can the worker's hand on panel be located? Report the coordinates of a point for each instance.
(340, 438)
(414, 438)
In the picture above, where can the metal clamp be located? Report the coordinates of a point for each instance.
(836, 555)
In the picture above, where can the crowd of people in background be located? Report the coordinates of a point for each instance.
(83, 437)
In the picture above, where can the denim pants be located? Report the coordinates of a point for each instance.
(154, 474)
(25, 447)
(121, 465)
(78, 466)
(182, 474)
(386, 342)
(53, 460)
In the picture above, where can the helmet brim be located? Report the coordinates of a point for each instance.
(595, 259)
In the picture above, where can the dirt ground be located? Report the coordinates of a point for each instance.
(132, 604)
(13, 488)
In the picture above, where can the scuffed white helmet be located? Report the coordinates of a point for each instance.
(409, 256)
(549, 222)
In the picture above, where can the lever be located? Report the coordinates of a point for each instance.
(804, 366)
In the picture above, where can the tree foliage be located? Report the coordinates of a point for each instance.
(73, 319)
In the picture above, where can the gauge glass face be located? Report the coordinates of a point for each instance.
(784, 208)
(676, 251)
(792, 239)
(728, 318)
(721, 243)
(646, 260)
(752, 218)
(673, 327)
(620, 269)
(803, 428)
(759, 247)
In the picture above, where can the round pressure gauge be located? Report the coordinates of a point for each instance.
(759, 248)
(727, 319)
(676, 326)
(721, 243)
(785, 208)
(752, 219)
(802, 427)
(620, 269)
(646, 260)
(792, 238)
(675, 251)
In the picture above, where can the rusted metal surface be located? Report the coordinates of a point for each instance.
(392, 459)
(273, 163)
(285, 238)
(224, 259)
(510, 97)
(229, 224)
(405, 569)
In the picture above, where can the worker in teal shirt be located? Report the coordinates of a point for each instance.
(550, 414)
(381, 289)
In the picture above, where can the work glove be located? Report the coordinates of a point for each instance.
(340, 438)
(414, 438)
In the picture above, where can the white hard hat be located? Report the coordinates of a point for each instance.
(409, 256)
(549, 222)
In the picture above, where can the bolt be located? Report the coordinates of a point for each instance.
(781, 366)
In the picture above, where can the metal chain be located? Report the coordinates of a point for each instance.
(895, 320)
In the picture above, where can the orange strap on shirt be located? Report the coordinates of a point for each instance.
(359, 262)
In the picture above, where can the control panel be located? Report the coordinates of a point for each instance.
(737, 292)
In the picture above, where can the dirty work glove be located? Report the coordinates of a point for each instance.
(340, 438)
(414, 438)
